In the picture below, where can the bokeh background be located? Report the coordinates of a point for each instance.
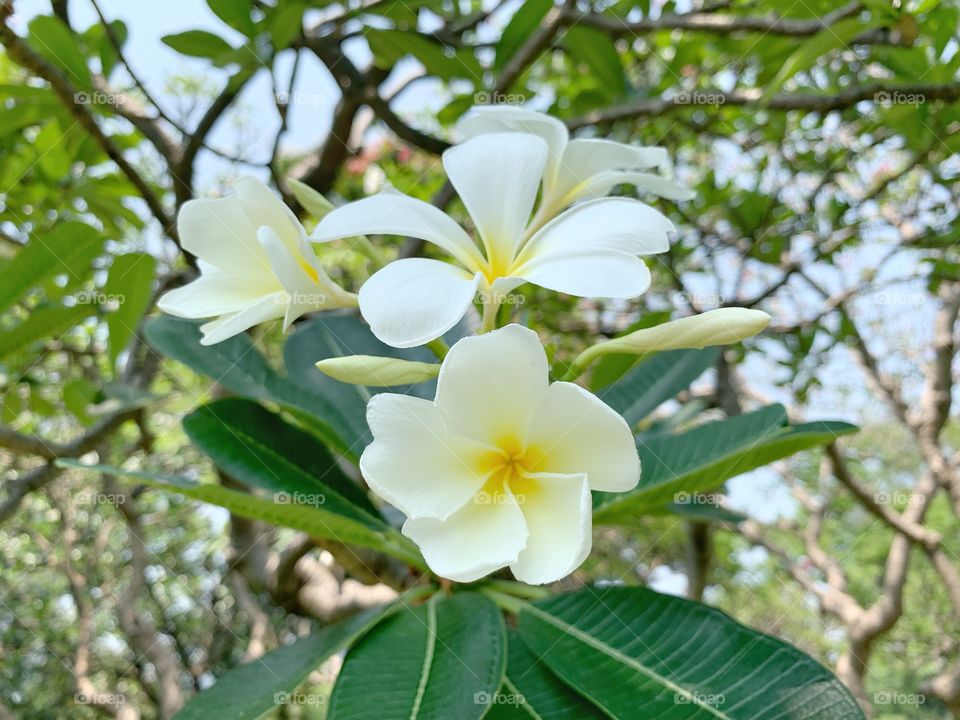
(821, 139)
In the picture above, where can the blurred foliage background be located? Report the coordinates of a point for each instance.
(821, 140)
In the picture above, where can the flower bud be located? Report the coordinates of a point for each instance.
(377, 371)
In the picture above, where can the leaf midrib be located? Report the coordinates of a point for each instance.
(427, 657)
(616, 655)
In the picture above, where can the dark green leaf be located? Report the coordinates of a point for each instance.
(444, 659)
(524, 21)
(654, 380)
(235, 13)
(531, 691)
(50, 37)
(705, 457)
(256, 447)
(636, 653)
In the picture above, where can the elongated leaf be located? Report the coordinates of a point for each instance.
(530, 690)
(636, 653)
(250, 690)
(240, 368)
(45, 323)
(524, 21)
(389, 46)
(235, 13)
(50, 37)
(654, 380)
(444, 659)
(315, 520)
(258, 448)
(198, 43)
(129, 283)
(596, 50)
(705, 457)
(67, 248)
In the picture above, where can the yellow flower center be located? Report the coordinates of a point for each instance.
(509, 467)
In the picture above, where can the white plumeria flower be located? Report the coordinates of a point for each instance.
(497, 470)
(576, 169)
(255, 263)
(591, 250)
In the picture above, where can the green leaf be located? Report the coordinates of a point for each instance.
(259, 449)
(47, 322)
(531, 691)
(250, 690)
(52, 39)
(130, 285)
(705, 457)
(443, 659)
(198, 43)
(636, 653)
(389, 46)
(235, 13)
(524, 21)
(596, 50)
(314, 520)
(285, 23)
(67, 248)
(654, 380)
(815, 48)
(237, 366)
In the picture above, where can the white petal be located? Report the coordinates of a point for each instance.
(505, 118)
(215, 293)
(219, 232)
(490, 385)
(590, 250)
(413, 301)
(393, 213)
(475, 541)
(266, 308)
(265, 207)
(558, 510)
(497, 177)
(573, 431)
(600, 184)
(414, 462)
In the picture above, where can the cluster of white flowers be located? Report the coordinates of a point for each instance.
(497, 470)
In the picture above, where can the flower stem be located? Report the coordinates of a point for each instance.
(491, 306)
(507, 602)
(439, 348)
(521, 590)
